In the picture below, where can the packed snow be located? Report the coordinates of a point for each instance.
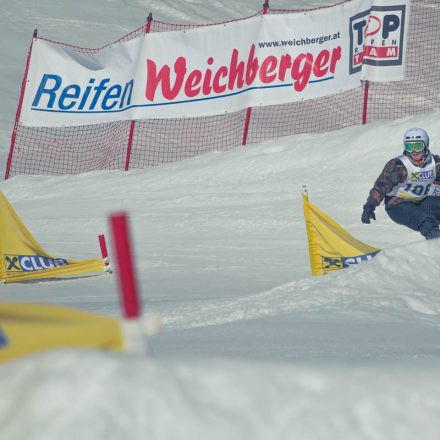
(250, 346)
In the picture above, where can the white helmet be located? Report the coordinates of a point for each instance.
(414, 135)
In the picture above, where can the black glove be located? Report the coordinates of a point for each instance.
(368, 213)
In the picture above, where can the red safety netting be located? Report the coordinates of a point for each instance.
(139, 144)
(70, 150)
(158, 141)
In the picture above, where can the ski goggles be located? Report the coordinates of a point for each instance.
(414, 146)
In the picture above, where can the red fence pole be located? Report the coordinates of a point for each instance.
(265, 7)
(246, 125)
(249, 109)
(126, 275)
(132, 123)
(365, 106)
(148, 25)
(129, 144)
(20, 103)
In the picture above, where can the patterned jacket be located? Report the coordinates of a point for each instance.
(394, 173)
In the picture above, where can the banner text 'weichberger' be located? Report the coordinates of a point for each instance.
(272, 68)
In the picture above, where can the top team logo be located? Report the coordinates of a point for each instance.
(376, 37)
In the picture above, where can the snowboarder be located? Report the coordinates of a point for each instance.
(407, 183)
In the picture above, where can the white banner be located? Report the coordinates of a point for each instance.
(265, 60)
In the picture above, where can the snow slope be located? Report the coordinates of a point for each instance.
(251, 346)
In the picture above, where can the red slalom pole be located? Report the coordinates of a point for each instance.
(126, 275)
(104, 253)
